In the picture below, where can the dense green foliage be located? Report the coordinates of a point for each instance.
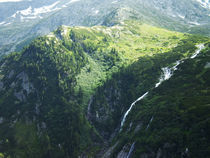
(173, 120)
(127, 85)
(45, 89)
(47, 106)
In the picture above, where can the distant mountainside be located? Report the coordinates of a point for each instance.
(66, 93)
(21, 21)
(104, 79)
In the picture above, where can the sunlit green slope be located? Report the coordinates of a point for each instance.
(45, 89)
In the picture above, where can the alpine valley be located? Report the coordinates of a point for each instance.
(105, 79)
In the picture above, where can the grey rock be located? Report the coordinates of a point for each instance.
(207, 65)
(26, 85)
(138, 127)
(20, 96)
(159, 153)
(1, 120)
(1, 85)
(110, 150)
(124, 152)
(11, 74)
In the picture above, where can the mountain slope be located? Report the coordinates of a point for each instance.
(173, 120)
(34, 18)
(35, 98)
(44, 90)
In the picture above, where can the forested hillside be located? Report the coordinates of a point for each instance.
(65, 94)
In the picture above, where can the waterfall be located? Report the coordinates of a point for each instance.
(150, 122)
(131, 150)
(89, 107)
(167, 73)
(200, 47)
(127, 112)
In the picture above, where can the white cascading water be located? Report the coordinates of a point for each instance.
(167, 72)
(200, 47)
(150, 122)
(127, 112)
(131, 150)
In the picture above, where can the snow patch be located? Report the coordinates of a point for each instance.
(31, 13)
(3, 1)
(181, 16)
(26, 11)
(114, 2)
(73, 1)
(96, 11)
(194, 23)
(7, 24)
(46, 9)
(204, 3)
(2, 23)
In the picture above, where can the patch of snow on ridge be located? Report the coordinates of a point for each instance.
(181, 16)
(204, 3)
(30, 13)
(25, 12)
(6, 24)
(2, 23)
(72, 1)
(96, 11)
(46, 9)
(194, 23)
(114, 2)
(3, 1)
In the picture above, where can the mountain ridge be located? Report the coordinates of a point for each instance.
(180, 16)
(72, 92)
(45, 89)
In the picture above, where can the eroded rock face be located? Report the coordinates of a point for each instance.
(26, 86)
(138, 127)
(20, 95)
(1, 85)
(11, 74)
(207, 65)
(1, 120)
(124, 152)
(109, 152)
